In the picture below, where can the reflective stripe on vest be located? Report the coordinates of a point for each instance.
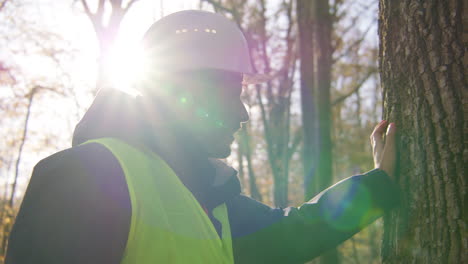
(168, 225)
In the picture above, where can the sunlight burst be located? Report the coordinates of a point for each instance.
(125, 67)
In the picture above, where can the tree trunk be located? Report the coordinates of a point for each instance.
(31, 95)
(423, 65)
(323, 40)
(240, 160)
(247, 151)
(315, 27)
(307, 65)
(315, 51)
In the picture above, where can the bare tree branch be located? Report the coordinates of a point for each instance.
(2, 4)
(130, 5)
(354, 44)
(266, 126)
(355, 88)
(86, 8)
(218, 6)
(100, 9)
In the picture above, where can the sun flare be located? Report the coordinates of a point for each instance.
(124, 67)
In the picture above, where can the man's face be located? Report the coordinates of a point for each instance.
(213, 109)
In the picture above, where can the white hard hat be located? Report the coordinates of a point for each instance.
(194, 39)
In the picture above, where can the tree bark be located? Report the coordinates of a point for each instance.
(423, 65)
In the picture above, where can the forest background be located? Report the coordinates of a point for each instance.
(309, 126)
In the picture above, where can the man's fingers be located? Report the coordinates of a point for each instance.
(384, 154)
(376, 136)
(380, 128)
(389, 153)
(390, 135)
(390, 139)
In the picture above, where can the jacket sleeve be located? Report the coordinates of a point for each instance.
(76, 210)
(262, 234)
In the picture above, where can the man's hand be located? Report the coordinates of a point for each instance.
(384, 152)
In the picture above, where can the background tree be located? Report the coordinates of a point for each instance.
(274, 54)
(315, 27)
(26, 92)
(423, 65)
(334, 65)
(245, 151)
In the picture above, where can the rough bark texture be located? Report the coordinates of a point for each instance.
(423, 65)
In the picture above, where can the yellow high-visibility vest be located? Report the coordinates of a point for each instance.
(168, 225)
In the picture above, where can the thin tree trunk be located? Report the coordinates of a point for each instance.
(423, 65)
(323, 40)
(324, 176)
(240, 161)
(355, 254)
(374, 243)
(358, 109)
(306, 54)
(245, 142)
(20, 150)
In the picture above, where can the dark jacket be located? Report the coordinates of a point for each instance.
(77, 209)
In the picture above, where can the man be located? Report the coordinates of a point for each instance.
(142, 183)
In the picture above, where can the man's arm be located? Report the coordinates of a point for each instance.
(295, 235)
(76, 210)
